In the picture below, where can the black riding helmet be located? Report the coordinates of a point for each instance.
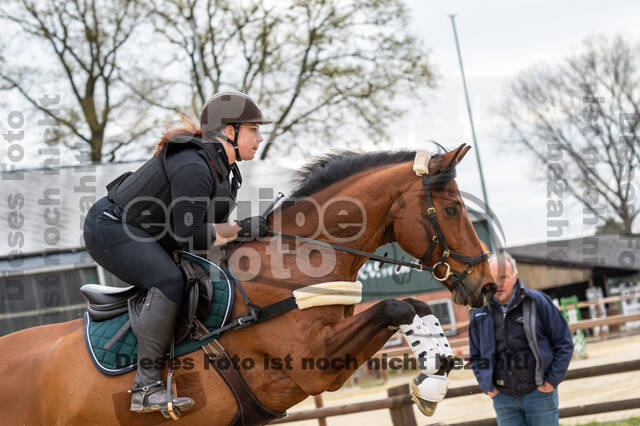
(229, 107)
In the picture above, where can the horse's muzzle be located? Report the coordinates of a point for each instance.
(487, 292)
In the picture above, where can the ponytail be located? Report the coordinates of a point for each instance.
(189, 128)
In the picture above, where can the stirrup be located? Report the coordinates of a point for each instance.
(171, 409)
(171, 412)
(175, 404)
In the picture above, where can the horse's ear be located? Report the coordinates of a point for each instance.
(450, 159)
(460, 152)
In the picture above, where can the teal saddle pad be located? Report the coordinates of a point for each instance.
(121, 357)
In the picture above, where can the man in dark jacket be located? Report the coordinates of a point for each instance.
(520, 347)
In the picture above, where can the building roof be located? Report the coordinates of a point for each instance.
(45, 262)
(36, 243)
(43, 210)
(604, 251)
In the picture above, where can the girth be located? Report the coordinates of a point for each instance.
(250, 410)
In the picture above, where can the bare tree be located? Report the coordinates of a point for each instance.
(581, 119)
(314, 65)
(79, 45)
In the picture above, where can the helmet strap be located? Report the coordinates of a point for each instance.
(233, 142)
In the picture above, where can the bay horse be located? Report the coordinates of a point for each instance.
(362, 200)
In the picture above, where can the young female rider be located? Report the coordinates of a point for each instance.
(179, 199)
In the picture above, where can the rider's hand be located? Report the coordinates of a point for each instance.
(253, 227)
(493, 393)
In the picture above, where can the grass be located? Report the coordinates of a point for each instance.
(632, 421)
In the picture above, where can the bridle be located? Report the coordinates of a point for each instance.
(438, 238)
(262, 313)
(421, 168)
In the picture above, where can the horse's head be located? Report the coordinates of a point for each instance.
(432, 224)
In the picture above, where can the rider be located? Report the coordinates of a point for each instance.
(166, 205)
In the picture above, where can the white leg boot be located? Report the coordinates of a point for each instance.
(428, 342)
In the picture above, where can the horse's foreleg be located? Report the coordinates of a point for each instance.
(347, 343)
(351, 336)
(421, 308)
(375, 344)
(369, 350)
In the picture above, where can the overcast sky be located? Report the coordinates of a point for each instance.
(499, 39)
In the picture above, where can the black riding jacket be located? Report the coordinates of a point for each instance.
(189, 180)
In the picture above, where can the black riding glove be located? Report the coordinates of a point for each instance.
(253, 227)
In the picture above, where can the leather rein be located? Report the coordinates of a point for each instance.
(258, 313)
(438, 238)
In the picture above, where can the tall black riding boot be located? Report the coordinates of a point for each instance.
(154, 330)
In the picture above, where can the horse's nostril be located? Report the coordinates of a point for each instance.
(489, 289)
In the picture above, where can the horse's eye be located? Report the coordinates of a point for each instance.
(451, 211)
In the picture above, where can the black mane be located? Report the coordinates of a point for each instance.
(331, 168)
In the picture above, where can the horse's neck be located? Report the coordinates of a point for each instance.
(366, 197)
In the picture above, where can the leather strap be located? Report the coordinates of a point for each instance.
(233, 142)
(172, 389)
(438, 238)
(372, 256)
(261, 314)
(250, 410)
(277, 308)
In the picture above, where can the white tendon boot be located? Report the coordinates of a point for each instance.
(428, 342)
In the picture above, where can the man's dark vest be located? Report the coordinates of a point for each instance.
(145, 195)
(515, 365)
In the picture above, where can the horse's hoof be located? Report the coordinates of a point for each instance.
(427, 408)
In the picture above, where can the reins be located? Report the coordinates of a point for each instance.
(373, 256)
(420, 167)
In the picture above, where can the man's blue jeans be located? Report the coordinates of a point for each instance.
(534, 409)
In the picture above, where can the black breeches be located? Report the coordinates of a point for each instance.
(130, 253)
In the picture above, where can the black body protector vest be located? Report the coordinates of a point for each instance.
(145, 195)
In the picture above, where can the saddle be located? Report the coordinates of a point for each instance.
(207, 308)
(105, 303)
(109, 336)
